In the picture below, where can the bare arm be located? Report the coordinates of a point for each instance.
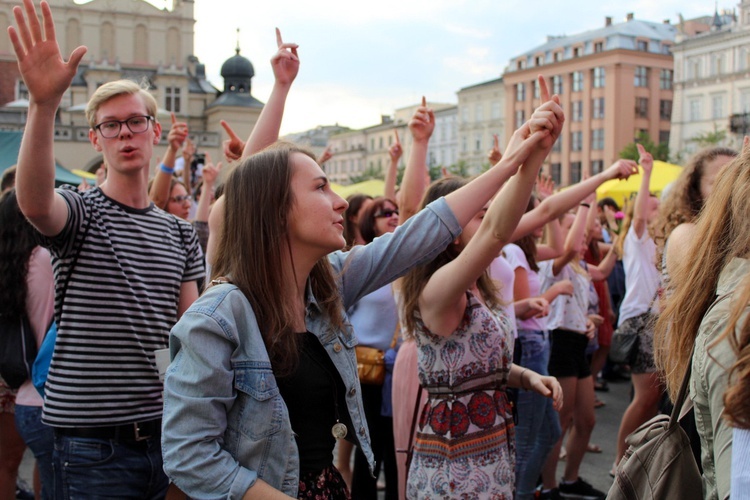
(285, 64)
(572, 242)
(602, 270)
(640, 211)
(390, 175)
(47, 77)
(159, 192)
(261, 490)
(188, 295)
(210, 173)
(415, 181)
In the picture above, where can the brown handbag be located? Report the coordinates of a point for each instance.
(371, 362)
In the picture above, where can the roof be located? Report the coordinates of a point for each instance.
(237, 66)
(482, 84)
(236, 99)
(629, 29)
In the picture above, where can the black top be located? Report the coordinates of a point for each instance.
(310, 398)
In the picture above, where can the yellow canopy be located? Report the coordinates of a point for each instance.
(373, 187)
(663, 174)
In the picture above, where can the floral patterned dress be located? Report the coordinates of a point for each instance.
(465, 438)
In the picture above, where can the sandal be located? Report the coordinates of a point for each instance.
(593, 448)
(598, 403)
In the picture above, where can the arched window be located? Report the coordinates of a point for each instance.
(107, 41)
(173, 46)
(140, 48)
(72, 35)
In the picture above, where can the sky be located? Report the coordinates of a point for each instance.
(359, 60)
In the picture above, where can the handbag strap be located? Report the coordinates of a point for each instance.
(653, 299)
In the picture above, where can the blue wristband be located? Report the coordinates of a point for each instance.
(166, 169)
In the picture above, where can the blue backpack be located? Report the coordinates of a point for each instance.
(40, 369)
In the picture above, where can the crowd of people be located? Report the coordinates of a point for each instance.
(490, 303)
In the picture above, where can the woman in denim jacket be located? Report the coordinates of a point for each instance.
(264, 373)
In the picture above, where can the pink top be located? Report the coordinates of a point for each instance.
(40, 307)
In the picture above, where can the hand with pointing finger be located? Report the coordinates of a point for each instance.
(422, 123)
(395, 151)
(285, 62)
(234, 146)
(494, 154)
(326, 155)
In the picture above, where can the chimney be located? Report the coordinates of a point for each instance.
(629, 16)
(608, 21)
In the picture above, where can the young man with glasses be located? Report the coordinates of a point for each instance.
(124, 270)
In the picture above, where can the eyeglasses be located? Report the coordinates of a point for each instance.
(136, 124)
(180, 198)
(386, 213)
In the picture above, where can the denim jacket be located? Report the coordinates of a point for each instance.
(225, 423)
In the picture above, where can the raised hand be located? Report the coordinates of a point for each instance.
(494, 155)
(177, 134)
(645, 159)
(548, 116)
(326, 155)
(621, 169)
(395, 151)
(40, 62)
(285, 62)
(548, 387)
(188, 151)
(545, 187)
(210, 173)
(564, 287)
(422, 124)
(234, 146)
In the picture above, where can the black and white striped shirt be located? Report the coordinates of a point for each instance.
(120, 303)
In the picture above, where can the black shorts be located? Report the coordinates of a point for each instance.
(568, 354)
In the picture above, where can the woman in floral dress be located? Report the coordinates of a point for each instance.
(464, 446)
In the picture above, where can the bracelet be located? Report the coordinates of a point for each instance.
(520, 379)
(166, 169)
(585, 205)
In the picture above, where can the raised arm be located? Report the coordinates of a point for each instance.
(47, 77)
(572, 241)
(285, 64)
(210, 173)
(414, 183)
(326, 155)
(640, 210)
(394, 152)
(559, 203)
(159, 192)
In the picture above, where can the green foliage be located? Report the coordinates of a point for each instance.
(366, 175)
(709, 139)
(658, 151)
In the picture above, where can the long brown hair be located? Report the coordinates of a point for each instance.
(684, 200)
(721, 233)
(254, 251)
(737, 397)
(416, 279)
(527, 243)
(368, 218)
(355, 202)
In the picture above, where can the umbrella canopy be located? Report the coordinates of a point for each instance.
(662, 175)
(373, 187)
(10, 142)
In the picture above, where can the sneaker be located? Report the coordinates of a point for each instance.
(553, 494)
(580, 490)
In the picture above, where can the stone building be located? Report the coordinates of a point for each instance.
(481, 113)
(138, 41)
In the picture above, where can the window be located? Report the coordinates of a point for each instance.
(745, 101)
(557, 56)
(555, 171)
(598, 47)
(575, 172)
(664, 137)
(577, 81)
(665, 109)
(536, 89)
(464, 145)
(598, 77)
(172, 99)
(717, 64)
(597, 166)
(694, 68)
(695, 109)
(576, 141)
(717, 106)
(380, 143)
(465, 115)
(641, 76)
(597, 139)
(539, 61)
(641, 107)
(372, 145)
(557, 146)
(478, 113)
(557, 85)
(520, 118)
(598, 108)
(577, 51)
(666, 76)
(478, 142)
(495, 110)
(642, 45)
(577, 113)
(520, 92)
(21, 91)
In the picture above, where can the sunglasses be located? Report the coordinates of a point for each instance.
(386, 213)
(180, 198)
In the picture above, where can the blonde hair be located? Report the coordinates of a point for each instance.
(721, 234)
(113, 89)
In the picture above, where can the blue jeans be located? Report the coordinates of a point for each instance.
(538, 426)
(88, 468)
(40, 439)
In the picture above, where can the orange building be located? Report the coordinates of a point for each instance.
(614, 82)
